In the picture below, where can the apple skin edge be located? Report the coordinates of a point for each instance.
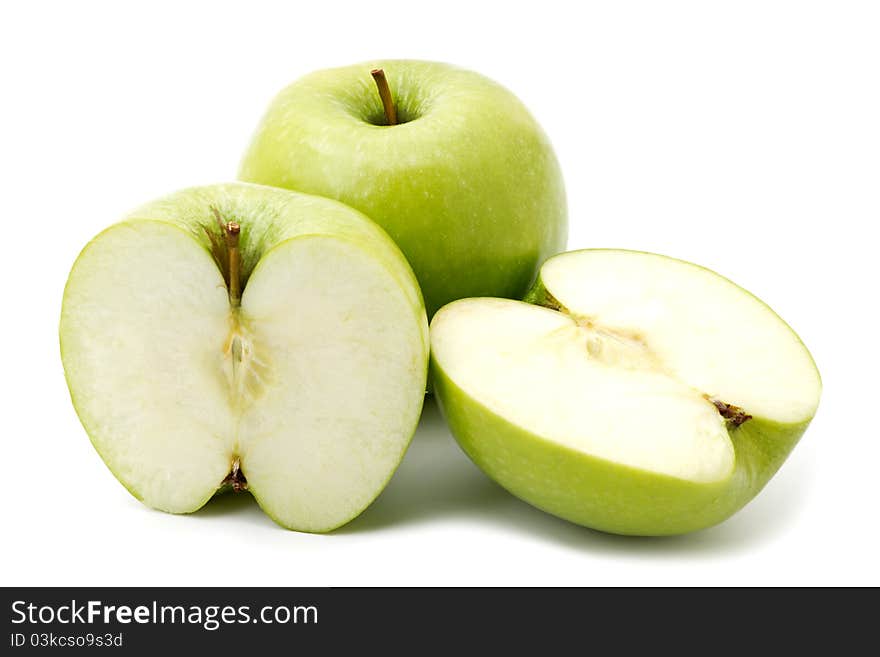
(601, 494)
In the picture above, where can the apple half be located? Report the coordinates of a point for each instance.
(247, 337)
(633, 393)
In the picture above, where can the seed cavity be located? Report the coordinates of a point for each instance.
(628, 349)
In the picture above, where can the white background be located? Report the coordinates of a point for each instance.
(744, 136)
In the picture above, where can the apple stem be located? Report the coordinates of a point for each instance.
(226, 254)
(385, 95)
(231, 234)
(733, 414)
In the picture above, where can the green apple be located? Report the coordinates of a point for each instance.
(634, 393)
(247, 337)
(462, 178)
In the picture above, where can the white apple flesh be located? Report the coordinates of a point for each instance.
(647, 396)
(306, 390)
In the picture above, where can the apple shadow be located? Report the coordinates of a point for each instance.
(241, 506)
(437, 480)
(434, 480)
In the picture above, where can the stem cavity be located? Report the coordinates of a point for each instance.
(385, 96)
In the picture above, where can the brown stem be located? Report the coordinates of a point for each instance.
(224, 248)
(733, 414)
(385, 95)
(231, 234)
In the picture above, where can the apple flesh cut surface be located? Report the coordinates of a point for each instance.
(462, 177)
(247, 337)
(634, 394)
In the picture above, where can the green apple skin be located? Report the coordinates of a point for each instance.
(603, 495)
(598, 493)
(273, 217)
(467, 183)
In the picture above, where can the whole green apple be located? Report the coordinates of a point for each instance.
(245, 337)
(462, 178)
(634, 393)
